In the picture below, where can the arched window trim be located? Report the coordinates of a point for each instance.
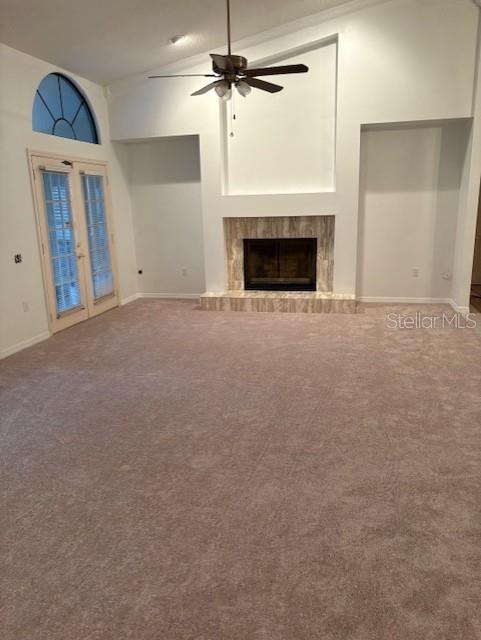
(83, 101)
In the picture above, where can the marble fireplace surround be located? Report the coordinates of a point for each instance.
(320, 227)
(235, 298)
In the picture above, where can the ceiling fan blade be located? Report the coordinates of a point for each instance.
(264, 86)
(205, 89)
(273, 71)
(186, 75)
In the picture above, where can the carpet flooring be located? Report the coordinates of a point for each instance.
(173, 474)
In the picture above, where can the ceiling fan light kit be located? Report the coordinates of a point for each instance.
(223, 89)
(243, 88)
(230, 69)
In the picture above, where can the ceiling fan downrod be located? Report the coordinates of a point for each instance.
(229, 49)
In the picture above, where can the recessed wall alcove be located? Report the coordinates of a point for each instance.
(410, 182)
(284, 142)
(165, 188)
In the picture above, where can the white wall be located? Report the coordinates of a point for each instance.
(292, 132)
(409, 193)
(20, 75)
(398, 60)
(167, 213)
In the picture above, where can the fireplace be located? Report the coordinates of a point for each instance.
(280, 264)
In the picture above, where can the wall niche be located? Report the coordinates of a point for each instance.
(284, 142)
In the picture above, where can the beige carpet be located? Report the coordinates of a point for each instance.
(172, 474)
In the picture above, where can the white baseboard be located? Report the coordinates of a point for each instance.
(173, 296)
(462, 310)
(382, 300)
(388, 300)
(134, 296)
(9, 351)
(166, 296)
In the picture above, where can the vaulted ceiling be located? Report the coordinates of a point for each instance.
(104, 40)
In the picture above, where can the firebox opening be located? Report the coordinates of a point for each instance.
(280, 264)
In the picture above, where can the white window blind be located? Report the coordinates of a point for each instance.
(97, 231)
(61, 240)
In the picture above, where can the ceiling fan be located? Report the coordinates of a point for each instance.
(232, 70)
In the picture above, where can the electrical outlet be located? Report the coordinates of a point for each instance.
(25, 306)
(184, 271)
(415, 273)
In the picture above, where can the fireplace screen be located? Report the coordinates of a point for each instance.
(280, 264)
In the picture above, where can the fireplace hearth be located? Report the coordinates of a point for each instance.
(280, 264)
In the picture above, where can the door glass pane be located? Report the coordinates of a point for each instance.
(62, 240)
(97, 231)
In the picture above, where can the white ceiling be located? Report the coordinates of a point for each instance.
(104, 40)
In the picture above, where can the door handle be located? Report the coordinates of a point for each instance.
(80, 255)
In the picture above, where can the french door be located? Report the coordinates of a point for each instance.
(76, 237)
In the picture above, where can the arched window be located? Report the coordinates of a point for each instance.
(61, 110)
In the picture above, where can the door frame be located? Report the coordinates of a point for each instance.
(92, 307)
(476, 254)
